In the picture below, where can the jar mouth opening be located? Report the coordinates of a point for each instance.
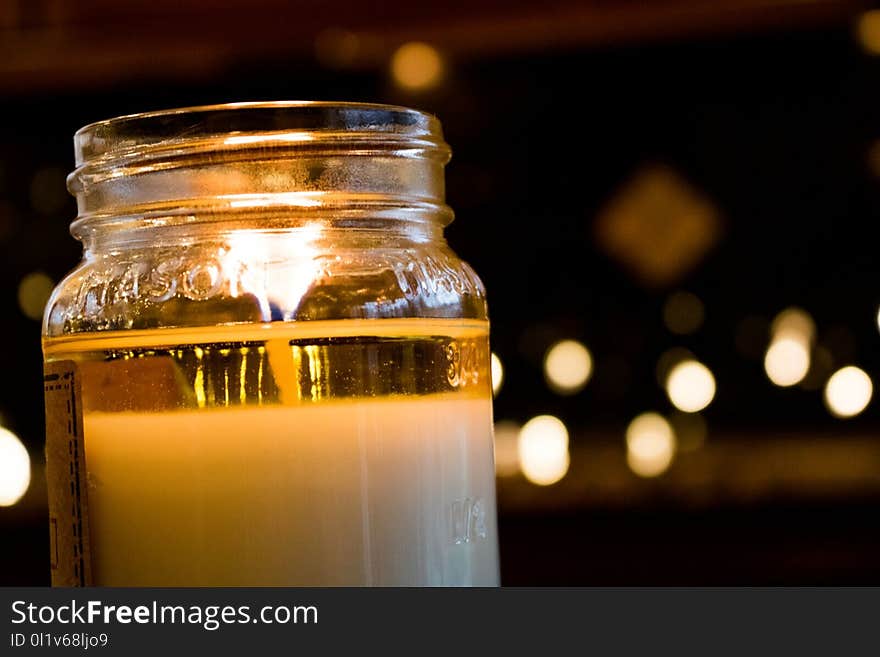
(229, 126)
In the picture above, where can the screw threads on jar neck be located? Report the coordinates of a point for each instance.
(260, 164)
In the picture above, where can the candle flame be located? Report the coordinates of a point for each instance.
(297, 199)
(236, 140)
(276, 268)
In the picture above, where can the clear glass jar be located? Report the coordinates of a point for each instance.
(269, 367)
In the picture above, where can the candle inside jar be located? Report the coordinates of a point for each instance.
(354, 452)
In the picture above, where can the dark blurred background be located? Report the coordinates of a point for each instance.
(664, 183)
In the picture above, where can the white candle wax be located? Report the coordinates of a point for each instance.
(388, 491)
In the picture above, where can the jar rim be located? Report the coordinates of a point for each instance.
(260, 157)
(259, 123)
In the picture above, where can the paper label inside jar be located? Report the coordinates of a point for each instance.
(66, 476)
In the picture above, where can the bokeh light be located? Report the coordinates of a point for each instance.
(794, 323)
(650, 445)
(497, 373)
(690, 386)
(567, 366)
(33, 293)
(868, 31)
(848, 392)
(668, 360)
(543, 450)
(683, 313)
(417, 66)
(337, 48)
(15, 468)
(506, 449)
(787, 361)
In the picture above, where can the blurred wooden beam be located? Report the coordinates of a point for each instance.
(726, 471)
(46, 45)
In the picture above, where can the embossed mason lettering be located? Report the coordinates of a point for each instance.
(463, 363)
(468, 520)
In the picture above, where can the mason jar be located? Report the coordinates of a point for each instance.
(269, 367)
